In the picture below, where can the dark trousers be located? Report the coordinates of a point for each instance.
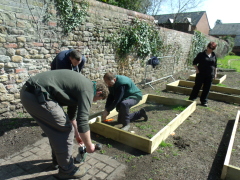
(124, 116)
(206, 82)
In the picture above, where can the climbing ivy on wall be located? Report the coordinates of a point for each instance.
(199, 42)
(140, 39)
(72, 14)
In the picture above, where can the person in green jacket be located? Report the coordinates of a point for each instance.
(43, 96)
(123, 94)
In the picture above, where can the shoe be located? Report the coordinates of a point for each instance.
(204, 104)
(55, 166)
(75, 174)
(143, 114)
(125, 128)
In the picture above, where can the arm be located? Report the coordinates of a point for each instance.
(77, 135)
(196, 68)
(86, 137)
(118, 95)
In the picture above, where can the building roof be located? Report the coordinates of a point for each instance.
(225, 29)
(187, 17)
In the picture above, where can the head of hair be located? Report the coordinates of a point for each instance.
(102, 87)
(109, 76)
(75, 54)
(212, 45)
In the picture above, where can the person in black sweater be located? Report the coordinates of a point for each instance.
(205, 64)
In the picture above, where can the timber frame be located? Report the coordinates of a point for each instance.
(220, 78)
(137, 141)
(218, 93)
(230, 171)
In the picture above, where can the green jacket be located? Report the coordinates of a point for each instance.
(132, 91)
(70, 89)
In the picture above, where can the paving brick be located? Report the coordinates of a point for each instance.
(106, 159)
(88, 177)
(27, 153)
(118, 173)
(92, 161)
(35, 149)
(101, 175)
(108, 169)
(17, 158)
(93, 171)
(100, 165)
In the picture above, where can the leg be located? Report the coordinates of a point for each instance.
(206, 88)
(196, 87)
(124, 117)
(56, 126)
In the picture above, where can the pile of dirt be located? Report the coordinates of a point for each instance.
(196, 151)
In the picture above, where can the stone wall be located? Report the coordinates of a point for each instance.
(28, 44)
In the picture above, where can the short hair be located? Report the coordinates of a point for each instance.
(102, 87)
(109, 76)
(75, 54)
(212, 45)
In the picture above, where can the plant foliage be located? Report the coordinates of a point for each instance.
(72, 14)
(139, 39)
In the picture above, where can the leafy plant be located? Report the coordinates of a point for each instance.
(164, 144)
(109, 145)
(222, 85)
(139, 39)
(102, 151)
(149, 136)
(72, 14)
(178, 108)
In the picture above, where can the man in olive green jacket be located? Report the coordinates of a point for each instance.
(123, 95)
(43, 96)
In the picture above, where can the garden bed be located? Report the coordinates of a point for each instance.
(220, 78)
(140, 141)
(218, 93)
(231, 167)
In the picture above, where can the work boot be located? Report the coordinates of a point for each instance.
(143, 114)
(126, 128)
(75, 174)
(204, 104)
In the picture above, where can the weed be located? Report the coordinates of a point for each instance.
(109, 145)
(155, 157)
(134, 166)
(222, 85)
(154, 130)
(102, 151)
(160, 151)
(149, 136)
(141, 126)
(164, 144)
(175, 153)
(178, 108)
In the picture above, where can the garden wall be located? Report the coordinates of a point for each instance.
(30, 37)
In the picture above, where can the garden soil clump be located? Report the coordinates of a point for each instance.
(196, 150)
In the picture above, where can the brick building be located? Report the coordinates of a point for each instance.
(185, 22)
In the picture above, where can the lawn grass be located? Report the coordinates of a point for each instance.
(225, 63)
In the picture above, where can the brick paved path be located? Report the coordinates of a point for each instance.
(34, 162)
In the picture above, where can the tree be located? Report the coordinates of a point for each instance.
(218, 22)
(135, 5)
(156, 6)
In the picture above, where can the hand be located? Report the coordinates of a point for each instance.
(104, 115)
(78, 139)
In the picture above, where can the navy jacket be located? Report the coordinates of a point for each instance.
(62, 61)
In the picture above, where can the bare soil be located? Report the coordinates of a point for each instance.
(196, 151)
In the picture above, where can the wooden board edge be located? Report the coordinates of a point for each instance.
(233, 173)
(230, 145)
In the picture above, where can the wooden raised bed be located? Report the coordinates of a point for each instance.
(218, 93)
(230, 172)
(137, 141)
(220, 78)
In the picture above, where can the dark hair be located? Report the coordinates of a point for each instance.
(109, 76)
(75, 54)
(102, 87)
(212, 45)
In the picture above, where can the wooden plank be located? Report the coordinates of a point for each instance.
(124, 137)
(220, 93)
(220, 78)
(233, 173)
(171, 126)
(229, 151)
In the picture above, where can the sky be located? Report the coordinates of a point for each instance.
(227, 11)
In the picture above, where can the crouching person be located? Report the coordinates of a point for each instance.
(43, 96)
(123, 94)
